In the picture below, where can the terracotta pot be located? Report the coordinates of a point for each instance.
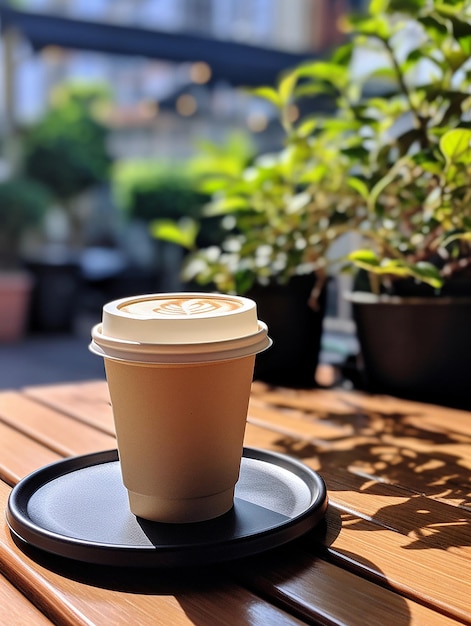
(15, 290)
(415, 347)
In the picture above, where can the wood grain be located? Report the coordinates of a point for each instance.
(397, 539)
(79, 594)
(20, 455)
(59, 432)
(325, 593)
(16, 610)
(391, 445)
(88, 402)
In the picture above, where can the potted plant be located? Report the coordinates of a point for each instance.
(66, 151)
(23, 204)
(411, 165)
(149, 190)
(391, 163)
(281, 213)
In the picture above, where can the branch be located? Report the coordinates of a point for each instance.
(419, 120)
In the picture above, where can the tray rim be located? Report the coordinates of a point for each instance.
(177, 554)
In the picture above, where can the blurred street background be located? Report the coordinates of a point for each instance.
(103, 105)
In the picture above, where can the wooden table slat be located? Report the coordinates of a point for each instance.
(70, 600)
(64, 435)
(321, 403)
(307, 582)
(16, 610)
(20, 455)
(386, 557)
(88, 402)
(378, 456)
(398, 538)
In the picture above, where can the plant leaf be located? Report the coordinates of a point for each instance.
(182, 233)
(268, 93)
(286, 87)
(364, 256)
(456, 145)
(378, 6)
(457, 237)
(422, 271)
(360, 186)
(224, 206)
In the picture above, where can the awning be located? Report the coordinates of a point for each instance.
(239, 64)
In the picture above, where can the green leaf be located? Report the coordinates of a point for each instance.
(305, 128)
(456, 58)
(331, 72)
(314, 174)
(268, 93)
(309, 89)
(406, 6)
(457, 237)
(182, 233)
(465, 44)
(456, 146)
(212, 184)
(360, 186)
(378, 6)
(435, 27)
(386, 73)
(377, 26)
(286, 87)
(343, 54)
(366, 258)
(461, 27)
(244, 280)
(422, 271)
(427, 273)
(357, 153)
(225, 206)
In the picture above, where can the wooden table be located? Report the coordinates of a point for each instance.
(395, 548)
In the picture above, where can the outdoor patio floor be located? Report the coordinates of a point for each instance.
(49, 358)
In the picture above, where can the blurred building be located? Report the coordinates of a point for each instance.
(162, 104)
(165, 99)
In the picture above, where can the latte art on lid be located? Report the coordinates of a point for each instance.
(181, 307)
(180, 318)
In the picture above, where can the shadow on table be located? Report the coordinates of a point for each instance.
(380, 453)
(264, 586)
(169, 579)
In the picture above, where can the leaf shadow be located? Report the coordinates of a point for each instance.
(387, 453)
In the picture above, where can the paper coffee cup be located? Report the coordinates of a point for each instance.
(179, 368)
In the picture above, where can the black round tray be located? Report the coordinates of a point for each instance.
(78, 508)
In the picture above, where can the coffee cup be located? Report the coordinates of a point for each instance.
(179, 368)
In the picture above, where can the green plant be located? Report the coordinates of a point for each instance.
(280, 211)
(23, 204)
(412, 156)
(155, 190)
(392, 162)
(145, 190)
(66, 150)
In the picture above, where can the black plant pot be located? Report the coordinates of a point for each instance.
(296, 330)
(418, 348)
(56, 291)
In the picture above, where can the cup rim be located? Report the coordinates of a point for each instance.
(164, 353)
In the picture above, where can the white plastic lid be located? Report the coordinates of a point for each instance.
(179, 328)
